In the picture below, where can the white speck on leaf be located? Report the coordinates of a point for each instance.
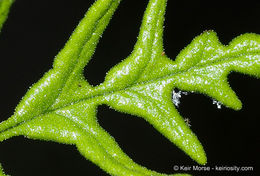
(176, 97)
(217, 103)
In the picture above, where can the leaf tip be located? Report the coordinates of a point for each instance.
(237, 105)
(199, 155)
(202, 159)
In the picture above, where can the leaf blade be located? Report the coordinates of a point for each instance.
(148, 46)
(138, 85)
(45, 92)
(161, 114)
(210, 76)
(4, 10)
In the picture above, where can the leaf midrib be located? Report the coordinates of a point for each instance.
(104, 93)
(97, 23)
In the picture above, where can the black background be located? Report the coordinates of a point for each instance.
(37, 30)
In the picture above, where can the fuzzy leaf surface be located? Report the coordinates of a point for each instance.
(62, 106)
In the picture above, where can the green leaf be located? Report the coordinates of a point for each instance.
(1, 171)
(4, 10)
(62, 106)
